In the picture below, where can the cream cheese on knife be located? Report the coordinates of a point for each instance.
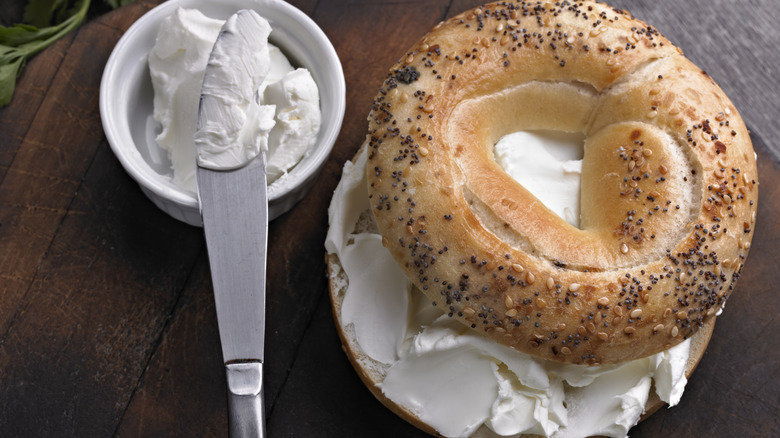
(238, 127)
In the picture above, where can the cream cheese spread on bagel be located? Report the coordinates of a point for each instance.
(420, 351)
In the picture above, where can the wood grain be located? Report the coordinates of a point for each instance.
(107, 322)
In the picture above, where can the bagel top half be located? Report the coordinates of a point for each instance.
(668, 196)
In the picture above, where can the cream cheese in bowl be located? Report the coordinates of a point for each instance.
(165, 171)
(286, 117)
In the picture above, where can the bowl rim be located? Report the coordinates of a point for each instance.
(118, 132)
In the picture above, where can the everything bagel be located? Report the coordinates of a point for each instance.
(668, 196)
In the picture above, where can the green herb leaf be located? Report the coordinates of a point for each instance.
(19, 42)
(21, 34)
(42, 13)
(8, 74)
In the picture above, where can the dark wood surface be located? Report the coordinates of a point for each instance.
(107, 322)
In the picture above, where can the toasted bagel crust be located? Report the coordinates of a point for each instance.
(669, 185)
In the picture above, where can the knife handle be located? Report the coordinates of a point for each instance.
(245, 399)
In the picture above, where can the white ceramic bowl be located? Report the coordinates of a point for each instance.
(126, 97)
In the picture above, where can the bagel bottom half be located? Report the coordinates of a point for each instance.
(373, 373)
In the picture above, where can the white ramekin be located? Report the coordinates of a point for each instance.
(126, 102)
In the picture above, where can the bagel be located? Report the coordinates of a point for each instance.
(352, 225)
(351, 218)
(668, 197)
(667, 211)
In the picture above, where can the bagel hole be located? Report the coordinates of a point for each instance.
(548, 163)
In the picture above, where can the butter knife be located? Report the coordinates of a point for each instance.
(234, 209)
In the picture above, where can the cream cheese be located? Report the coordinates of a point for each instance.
(233, 127)
(176, 65)
(298, 118)
(177, 62)
(424, 352)
(549, 165)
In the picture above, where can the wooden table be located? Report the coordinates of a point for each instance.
(107, 322)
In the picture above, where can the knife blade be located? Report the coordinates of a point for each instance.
(235, 212)
(234, 209)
